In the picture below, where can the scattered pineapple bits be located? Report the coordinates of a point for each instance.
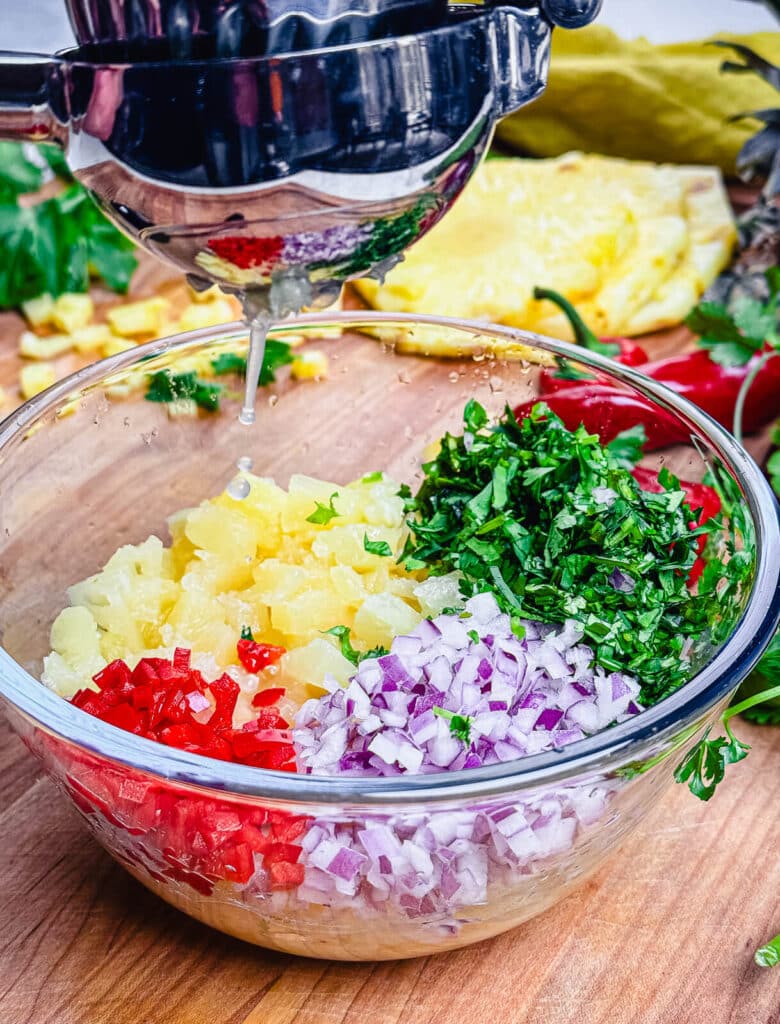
(92, 338)
(310, 365)
(34, 378)
(72, 312)
(38, 312)
(33, 347)
(133, 319)
(289, 564)
(206, 314)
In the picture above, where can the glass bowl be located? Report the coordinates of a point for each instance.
(90, 465)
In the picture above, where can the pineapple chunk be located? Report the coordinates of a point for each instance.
(312, 662)
(38, 312)
(206, 314)
(134, 318)
(381, 617)
(72, 311)
(224, 531)
(309, 613)
(33, 347)
(36, 378)
(115, 345)
(310, 365)
(91, 338)
(76, 638)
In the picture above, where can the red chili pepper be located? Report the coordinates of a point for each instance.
(255, 656)
(694, 375)
(622, 350)
(246, 252)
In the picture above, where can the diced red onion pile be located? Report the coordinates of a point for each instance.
(521, 696)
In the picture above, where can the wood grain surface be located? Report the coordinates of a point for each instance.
(664, 934)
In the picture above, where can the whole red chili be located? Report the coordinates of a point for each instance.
(607, 409)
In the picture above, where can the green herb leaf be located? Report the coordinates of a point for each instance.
(165, 386)
(348, 651)
(323, 514)
(769, 955)
(460, 725)
(733, 336)
(229, 362)
(549, 550)
(626, 447)
(371, 478)
(246, 633)
(17, 174)
(377, 547)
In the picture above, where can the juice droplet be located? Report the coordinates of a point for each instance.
(245, 464)
(239, 488)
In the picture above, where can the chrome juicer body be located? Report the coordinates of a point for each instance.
(282, 147)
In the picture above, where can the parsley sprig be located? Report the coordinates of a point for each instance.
(460, 725)
(323, 514)
(542, 516)
(735, 334)
(342, 633)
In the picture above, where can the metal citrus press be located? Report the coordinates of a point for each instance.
(281, 147)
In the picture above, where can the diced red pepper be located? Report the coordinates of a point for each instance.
(285, 876)
(255, 656)
(264, 698)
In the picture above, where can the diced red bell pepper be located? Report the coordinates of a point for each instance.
(264, 698)
(285, 876)
(255, 656)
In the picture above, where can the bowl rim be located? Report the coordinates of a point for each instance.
(688, 707)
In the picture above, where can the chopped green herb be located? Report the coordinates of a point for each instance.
(165, 386)
(549, 550)
(473, 636)
(246, 633)
(349, 652)
(323, 514)
(276, 355)
(517, 627)
(769, 955)
(460, 725)
(377, 547)
(56, 245)
(372, 478)
(626, 447)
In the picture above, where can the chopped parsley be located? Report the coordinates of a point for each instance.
(372, 478)
(165, 386)
(349, 652)
(460, 725)
(377, 547)
(246, 633)
(276, 355)
(323, 514)
(542, 516)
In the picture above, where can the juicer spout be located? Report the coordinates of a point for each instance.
(25, 111)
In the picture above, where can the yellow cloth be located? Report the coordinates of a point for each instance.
(644, 102)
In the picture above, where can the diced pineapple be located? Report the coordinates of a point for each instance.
(36, 378)
(224, 531)
(310, 365)
(207, 295)
(72, 311)
(439, 592)
(91, 338)
(312, 662)
(348, 584)
(277, 581)
(195, 622)
(33, 347)
(115, 345)
(38, 312)
(134, 318)
(345, 545)
(381, 617)
(76, 637)
(308, 613)
(206, 314)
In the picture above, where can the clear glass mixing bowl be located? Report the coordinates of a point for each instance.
(90, 465)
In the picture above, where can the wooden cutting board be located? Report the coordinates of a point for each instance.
(664, 934)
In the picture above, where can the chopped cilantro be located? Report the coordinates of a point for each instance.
(626, 447)
(460, 725)
(517, 509)
(377, 547)
(246, 633)
(323, 514)
(349, 652)
(277, 354)
(473, 636)
(165, 386)
(372, 478)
